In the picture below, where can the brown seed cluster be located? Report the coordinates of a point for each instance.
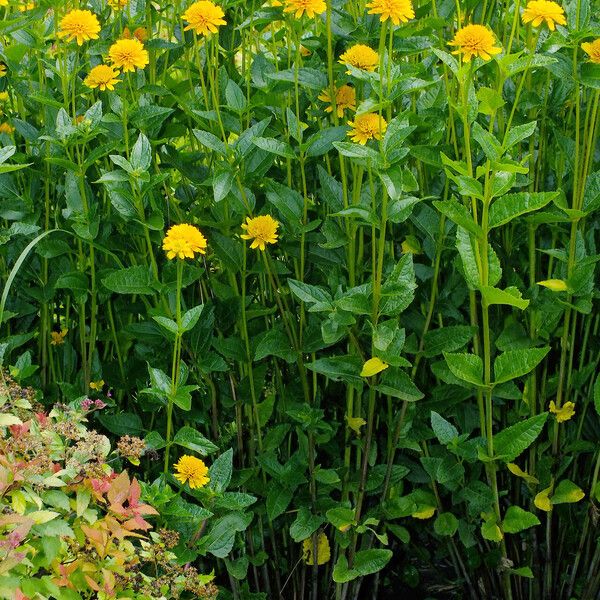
(131, 447)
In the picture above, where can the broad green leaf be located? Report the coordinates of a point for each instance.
(447, 339)
(274, 147)
(444, 431)
(518, 134)
(597, 394)
(567, 492)
(339, 368)
(510, 297)
(467, 367)
(516, 363)
(510, 206)
(398, 384)
(220, 471)
(515, 439)
(445, 524)
(305, 524)
(278, 499)
(516, 519)
(459, 214)
(190, 438)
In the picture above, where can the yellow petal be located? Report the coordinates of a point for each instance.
(556, 285)
(373, 366)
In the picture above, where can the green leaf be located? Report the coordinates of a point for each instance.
(597, 395)
(511, 296)
(274, 147)
(339, 368)
(188, 437)
(220, 471)
(278, 499)
(305, 524)
(191, 317)
(445, 524)
(516, 363)
(518, 134)
(510, 206)
(211, 141)
(458, 213)
(467, 367)
(311, 294)
(121, 423)
(516, 519)
(444, 431)
(447, 339)
(356, 151)
(131, 280)
(567, 492)
(367, 562)
(512, 441)
(398, 384)
(141, 154)
(398, 289)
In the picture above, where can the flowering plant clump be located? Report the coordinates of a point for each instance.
(303, 294)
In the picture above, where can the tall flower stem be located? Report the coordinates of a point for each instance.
(174, 363)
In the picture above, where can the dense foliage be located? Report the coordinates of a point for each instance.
(335, 264)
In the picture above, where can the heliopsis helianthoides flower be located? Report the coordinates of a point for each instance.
(204, 17)
(310, 7)
(3, 2)
(57, 338)
(539, 11)
(323, 550)
(3, 96)
(184, 241)
(103, 77)
(593, 50)
(370, 126)
(25, 6)
(191, 470)
(261, 230)
(564, 413)
(399, 11)
(80, 25)
(474, 40)
(139, 33)
(345, 99)
(117, 4)
(128, 55)
(7, 128)
(360, 56)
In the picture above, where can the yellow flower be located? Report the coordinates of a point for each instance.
(117, 4)
(7, 128)
(593, 50)
(370, 126)
(3, 96)
(103, 77)
(97, 385)
(24, 6)
(474, 40)
(193, 470)
(81, 25)
(139, 33)
(3, 69)
(564, 413)
(261, 230)
(399, 11)
(128, 55)
(373, 366)
(184, 241)
(310, 7)
(204, 17)
(3, 2)
(360, 57)
(345, 98)
(58, 337)
(556, 285)
(538, 11)
(355, 423)
(323, 550)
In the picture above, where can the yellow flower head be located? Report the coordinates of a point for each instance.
(538, 11)
(593, 50)
(474, 40)
(24, 6)
(128, 55)
(3, 69)
(7, 128)
(140, 33)
(57, 338)
(373, 366)
(117, 5)
(103, 77)
(323, 550)
(204, 17)
(360, 57)
(97, 385)
(3, 2)
(310, 7)
(399, 11)
(261, 230)
(80, 25)
(564, 413)
(184, 241)
(193, 470)
(345, 99)
(3, 96)
(370, 126)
